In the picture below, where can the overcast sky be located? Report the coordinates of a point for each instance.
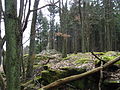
(26, 34)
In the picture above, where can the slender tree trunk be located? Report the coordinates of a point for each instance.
(60, 38)
(0, 33)
(64, 29)
(83, 26)
(108, 19)
(64, 52)
(75, 43)
(85, 33)
(12, 49)
(50, 40)
(31, 56)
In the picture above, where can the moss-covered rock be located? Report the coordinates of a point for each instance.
(49, 76)
(111, 85)
(110, 55)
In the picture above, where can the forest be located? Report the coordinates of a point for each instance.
(72, 45)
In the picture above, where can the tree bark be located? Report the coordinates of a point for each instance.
(75, 77)
(31, 56)
(108, 20)
(12, 49)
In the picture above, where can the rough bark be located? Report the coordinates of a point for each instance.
(64, 29)
(2, 40)
(12, 49)
(0, 32)
(75, 77)
(31, 56)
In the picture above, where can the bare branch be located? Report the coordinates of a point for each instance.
(29, 11)
(98, 57)
(21, 9)
(3, 41)
(51, 4)
(24, 10)
(27, 17)
(26, 40)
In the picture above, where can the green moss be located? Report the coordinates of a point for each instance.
(25, 55)
(36, 65)
(99, 53)
(118, 62)
(49, 76)
(69, 56)
(112, 81)
(37, 78)
(66, 58)
(27, 83)
(82, 60)
(81, 84)
(111, 53)
(107, 58)
(40, 57)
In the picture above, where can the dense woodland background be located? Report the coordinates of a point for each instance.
(83, 26)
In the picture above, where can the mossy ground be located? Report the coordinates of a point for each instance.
(71, 65)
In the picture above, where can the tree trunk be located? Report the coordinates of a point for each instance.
(108, 19)
(0, 33)
(64, 28)
(31, 56)
(84, 25)
(12, 49)
(64, 50)
(60, 30)
(75, 42)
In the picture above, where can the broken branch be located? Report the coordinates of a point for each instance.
(98, 57)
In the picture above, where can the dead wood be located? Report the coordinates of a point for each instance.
(75, 77)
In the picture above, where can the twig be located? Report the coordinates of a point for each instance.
(29, 11)
(52, 4)
(26, 41)
(98, 57)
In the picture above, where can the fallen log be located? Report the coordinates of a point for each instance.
(75, 77)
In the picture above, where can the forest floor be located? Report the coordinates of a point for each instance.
(52, 60)
(80, 60)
